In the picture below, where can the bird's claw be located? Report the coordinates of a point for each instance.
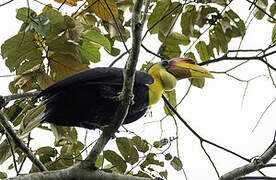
(120, 97)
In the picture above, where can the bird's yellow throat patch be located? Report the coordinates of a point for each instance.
(162, 81)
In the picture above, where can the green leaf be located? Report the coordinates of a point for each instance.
(272, 9)
(159, 10)
(258, 14)
(202, 50)
(89, 52)
(28, 65)
(22, 14)
(42, 25)
(273, 37)
(171, 95)
(127, 150)
(58, 22)
(170, 51)
(19, 49)
(5, 151)
(100, 161)
(174, 38)
(3, 175)
(166, 24)
(187, 20)
(142, 174)
(168, 156)
(164, 174)
(64, 135)
(45, 154)
(141, 145)
(96, 36)
(220, 36)
(115, 51)
(197, 82)
(13, 111)
(176, 164)
(151, 161)
(115, 160)
(203, 14)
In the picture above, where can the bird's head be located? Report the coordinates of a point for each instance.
(175, 69)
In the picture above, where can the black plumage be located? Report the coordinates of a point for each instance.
(85, 99)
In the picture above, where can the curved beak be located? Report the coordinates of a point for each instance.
(186, 68)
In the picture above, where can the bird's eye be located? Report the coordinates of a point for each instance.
(165, 63)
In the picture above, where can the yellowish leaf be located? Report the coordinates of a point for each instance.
(68, 2)
(63, 65)
(100, 8)
(43, 80)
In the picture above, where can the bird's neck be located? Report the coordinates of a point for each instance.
(156, 89)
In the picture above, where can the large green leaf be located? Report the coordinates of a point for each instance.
(171, 95)
(19, 49)
(203, 14)
(170, 51)
(197, 82)
(127, 150)
(151, 161)
(22, 14)
(96, 36)
(166, 24)
(3, 175)
(159, 10)
(99, 162)
(64, 135)
(202, 50)
(46, 153)
(187, 20)
(259, 14)
(115, 160)
(220, 36)
(176, 164)
(273, 37)
(140, 144)
(58, 22)
(89, 52)
(174, 38)
(272, 9)
(5, 151)
(42, 25)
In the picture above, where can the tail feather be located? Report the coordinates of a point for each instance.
(32, 119)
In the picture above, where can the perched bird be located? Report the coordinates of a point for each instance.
(87, 99)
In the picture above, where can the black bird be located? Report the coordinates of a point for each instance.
(87, 99)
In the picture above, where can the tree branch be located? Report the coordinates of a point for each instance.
(77, 173)
(255, 165)
(126, 95)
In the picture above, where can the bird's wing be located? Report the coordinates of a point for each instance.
(100, 75)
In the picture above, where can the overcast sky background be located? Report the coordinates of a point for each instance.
(216, 112)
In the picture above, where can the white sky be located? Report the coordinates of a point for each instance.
(215, 112)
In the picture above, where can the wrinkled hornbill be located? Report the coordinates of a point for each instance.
(87, 99)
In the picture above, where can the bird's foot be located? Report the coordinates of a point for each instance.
(120, 97)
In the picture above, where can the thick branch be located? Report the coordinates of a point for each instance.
(5, 99)
(77, 173)
(255, 165)
(19, 143)
(126, 95)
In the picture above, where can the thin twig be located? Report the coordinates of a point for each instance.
(13, 154)
(6, 3)
(263, 114)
